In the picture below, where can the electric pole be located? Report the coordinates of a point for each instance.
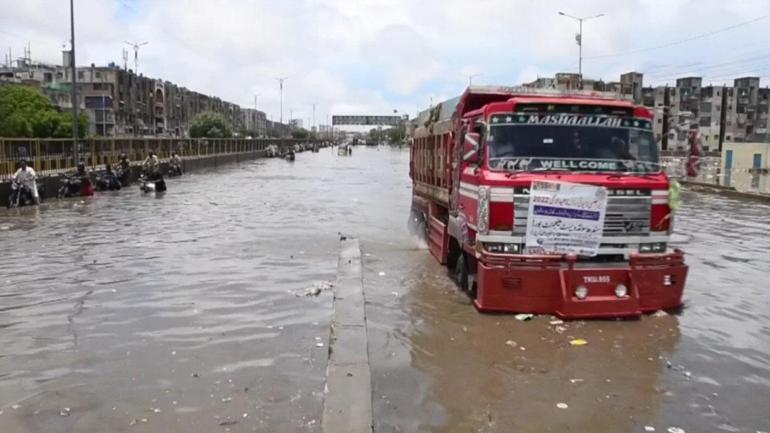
(74, 94)
(579, 40)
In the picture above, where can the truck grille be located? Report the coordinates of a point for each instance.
(624, 216)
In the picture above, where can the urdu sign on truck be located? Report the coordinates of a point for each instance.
(547, 202)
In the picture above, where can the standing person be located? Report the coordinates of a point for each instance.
(27, 178)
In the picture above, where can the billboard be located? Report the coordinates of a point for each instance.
(369, 120)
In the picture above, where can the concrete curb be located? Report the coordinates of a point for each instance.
(348, 393)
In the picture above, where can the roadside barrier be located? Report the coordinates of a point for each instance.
(52, 156)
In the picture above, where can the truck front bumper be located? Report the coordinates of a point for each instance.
(548, 284)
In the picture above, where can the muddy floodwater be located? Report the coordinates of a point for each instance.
(188, 313)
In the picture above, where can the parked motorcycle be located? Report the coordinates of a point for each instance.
(21, 195)
(75, 186)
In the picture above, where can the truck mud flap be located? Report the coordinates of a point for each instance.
(437, 238)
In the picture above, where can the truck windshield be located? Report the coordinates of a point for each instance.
(530, 146)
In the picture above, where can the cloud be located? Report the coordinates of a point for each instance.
(373, 56)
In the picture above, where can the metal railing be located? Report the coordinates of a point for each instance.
(53, 156)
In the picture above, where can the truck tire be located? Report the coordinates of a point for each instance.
(416, 224)
(461, 272)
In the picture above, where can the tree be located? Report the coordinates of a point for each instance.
(26, 112)
(209, 124)
(300, 134)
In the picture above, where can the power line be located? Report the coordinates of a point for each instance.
(681, 41)
(744, 62)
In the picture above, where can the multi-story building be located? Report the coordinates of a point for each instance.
(119, 102)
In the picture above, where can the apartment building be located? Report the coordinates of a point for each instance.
(120, 103)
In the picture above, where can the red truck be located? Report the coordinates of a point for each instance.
(476, 162)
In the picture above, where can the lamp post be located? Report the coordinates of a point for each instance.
(471, 77)
(280, 85)
(74, 94)
(579, 40)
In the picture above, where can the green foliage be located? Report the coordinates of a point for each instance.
(300, 134)
(210, 125)
(26, 112)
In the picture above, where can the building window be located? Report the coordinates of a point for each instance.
(81, 75)
(48, 77)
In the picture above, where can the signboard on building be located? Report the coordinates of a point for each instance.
(369, 120)
(565, 218)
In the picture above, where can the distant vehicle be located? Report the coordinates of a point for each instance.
(21, 195)
(147, 185)
(272, 151)
(75, 186)
(476, 163)
(174, 169)
(107, 182)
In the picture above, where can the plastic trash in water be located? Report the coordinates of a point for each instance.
(511, 343)
(649, 428)
(578, 342)
(523, 317)
(675, 430)
(562, 405)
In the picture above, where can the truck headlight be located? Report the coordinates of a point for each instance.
(655, 247)
(502, 248)
(621, 291)
(581, 292)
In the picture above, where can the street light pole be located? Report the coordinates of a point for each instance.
(74, 94)
(280, 85)
(471, 77)
(579, 40)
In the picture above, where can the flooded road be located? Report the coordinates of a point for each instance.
(187, 313)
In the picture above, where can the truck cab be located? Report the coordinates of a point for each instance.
(502, 142)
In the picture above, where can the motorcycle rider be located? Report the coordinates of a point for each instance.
(176, 163)
(26, 177)
(124, 167)
(151, 166)
(113, 183)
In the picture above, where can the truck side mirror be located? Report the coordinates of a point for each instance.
(471, 147)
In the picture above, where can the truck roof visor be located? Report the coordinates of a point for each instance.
(574, 108)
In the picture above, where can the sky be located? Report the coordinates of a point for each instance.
(377, 56)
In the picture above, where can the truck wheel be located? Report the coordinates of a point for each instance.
(461, 272)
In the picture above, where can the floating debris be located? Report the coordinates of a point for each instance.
(659, 313)
(319, 344)
(382, 274)
(511, 343)
(675, 430)
(578, 342)
(315, 289)
(562, 405)
(65, 412)
(649, 428)
(195, 375)
(576, 380)
(523, 317)
(155, 410)
(228, 422)
(556, 322)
